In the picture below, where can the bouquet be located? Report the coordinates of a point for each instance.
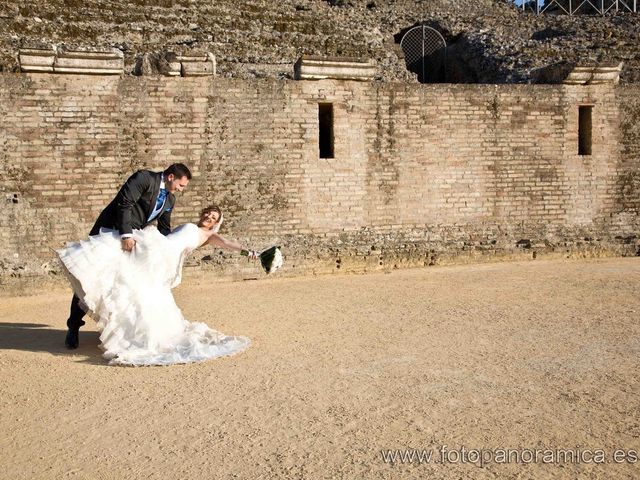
(271, 258)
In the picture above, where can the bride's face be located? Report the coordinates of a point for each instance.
(208, 220)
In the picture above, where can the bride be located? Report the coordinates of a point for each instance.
(129, 294)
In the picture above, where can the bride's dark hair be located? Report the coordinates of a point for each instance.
(211, 208)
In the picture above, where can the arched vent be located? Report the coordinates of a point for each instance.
(425, 53)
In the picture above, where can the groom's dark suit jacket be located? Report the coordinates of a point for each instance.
(134, 203)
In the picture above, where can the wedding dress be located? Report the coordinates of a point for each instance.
(129, 295)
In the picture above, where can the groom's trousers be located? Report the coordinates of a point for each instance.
(75, 314)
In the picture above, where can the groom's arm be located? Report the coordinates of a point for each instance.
(135, 186)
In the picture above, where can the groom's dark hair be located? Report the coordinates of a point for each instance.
(178, 170)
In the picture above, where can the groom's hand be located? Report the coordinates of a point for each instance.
(128, 244)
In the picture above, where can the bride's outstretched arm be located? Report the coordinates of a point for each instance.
(222, 242)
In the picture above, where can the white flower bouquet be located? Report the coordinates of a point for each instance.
(271, 258)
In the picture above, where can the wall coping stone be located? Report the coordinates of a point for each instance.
(63, 60)
(189, 65)
(339, 68)
(594, 74)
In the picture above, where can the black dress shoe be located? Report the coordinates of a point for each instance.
(72, 339)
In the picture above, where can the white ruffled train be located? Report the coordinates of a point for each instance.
(129, 296)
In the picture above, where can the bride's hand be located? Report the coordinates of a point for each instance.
(216, 227)
(250, 254)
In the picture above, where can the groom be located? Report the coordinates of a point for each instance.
(144, 197)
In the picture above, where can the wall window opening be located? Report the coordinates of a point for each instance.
(584, 129)
(325, 120)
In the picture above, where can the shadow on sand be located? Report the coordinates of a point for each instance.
(34, 337)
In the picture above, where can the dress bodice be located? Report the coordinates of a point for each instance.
(185, 237)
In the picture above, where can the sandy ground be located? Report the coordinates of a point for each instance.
(530, 356)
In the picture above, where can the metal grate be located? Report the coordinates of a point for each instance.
(425, 53)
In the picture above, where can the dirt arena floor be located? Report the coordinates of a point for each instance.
(508, 370)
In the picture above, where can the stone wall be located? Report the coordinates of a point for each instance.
(421, 175)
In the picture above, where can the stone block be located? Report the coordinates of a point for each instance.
(339, 68)
(197, 65)
(96, 62)
(37, 59)
(63, 60)
(594, 74)
(89, 61)
(173, 69)
(192, 65)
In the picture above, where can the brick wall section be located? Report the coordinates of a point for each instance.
(422, 174)
(626, 199)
